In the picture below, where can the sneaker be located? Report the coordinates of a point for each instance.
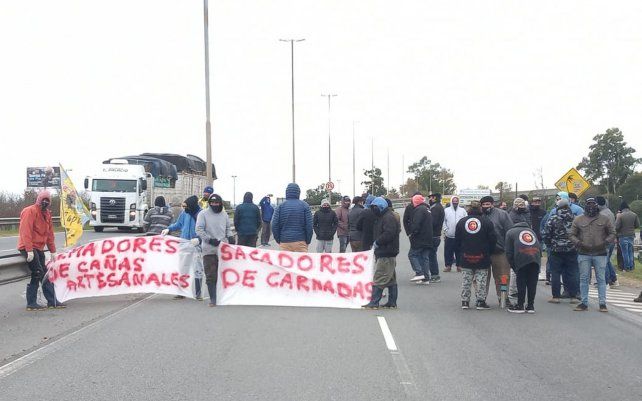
(35, 308)
(482, 305)
(199, 298)
(614, 284)
(554, 301)
(211, 304)
(423, 282)
(370, 306)
(435, 279)
(516, 309)
(603, 308)
(418, 277)
(389, 306)
(179, 297)
(447, 269)
(530, 309)
(458, 269)
(58, 305)
(581, 308)
(638, 299)
(465, 304)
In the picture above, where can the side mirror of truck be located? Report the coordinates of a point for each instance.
(86, 183)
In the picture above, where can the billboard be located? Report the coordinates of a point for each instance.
(48, 177)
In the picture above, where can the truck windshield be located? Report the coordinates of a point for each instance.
(114, 185)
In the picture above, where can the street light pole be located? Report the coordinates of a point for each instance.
(292, 65)
(208, 125)
(372, 166)
(234, 191)
(329, 96)
(354, 174)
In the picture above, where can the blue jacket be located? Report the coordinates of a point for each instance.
(247, 217)
(292, 220)
(267, 210)
(186, 224)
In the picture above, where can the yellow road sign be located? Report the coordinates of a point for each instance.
(573, 181)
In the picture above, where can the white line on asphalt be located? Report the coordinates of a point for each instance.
(623, 296)
(633, 306)
(28, 359)
(633, 310)
(387, 335)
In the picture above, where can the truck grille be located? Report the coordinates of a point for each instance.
(112, 210)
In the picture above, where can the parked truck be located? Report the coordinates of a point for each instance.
(123, 190)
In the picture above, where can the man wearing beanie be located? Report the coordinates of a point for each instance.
(407, 215)
(501, 224)
(452, 215)
(204, 201)
(520, 213)
(611, 275)
(625, 224)
(592, 233)
(420, 235)
(325, 223)
(292, 222)
(437, 211)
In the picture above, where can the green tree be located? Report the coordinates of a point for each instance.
(632, 188)
(393, 194)
(432, 177)
(610, 161)
(636, 207)
(505, 190)
(374, 182)
(316, 195)
(409, 188)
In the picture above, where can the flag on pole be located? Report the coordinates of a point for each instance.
(73, 212)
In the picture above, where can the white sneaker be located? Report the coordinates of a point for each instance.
(417, 278)
(615, 284)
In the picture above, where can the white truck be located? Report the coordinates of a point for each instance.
(122, 193)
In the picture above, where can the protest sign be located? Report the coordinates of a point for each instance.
(125, 265)
(252, 276)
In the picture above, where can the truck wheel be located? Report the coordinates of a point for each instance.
(98, 229)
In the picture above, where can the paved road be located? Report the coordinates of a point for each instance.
(155, 348)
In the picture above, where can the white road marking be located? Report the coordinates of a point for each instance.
(387, 335)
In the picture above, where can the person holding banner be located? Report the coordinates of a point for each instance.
(213, 226)
(386, 248)
(186, 222)
(36, 231)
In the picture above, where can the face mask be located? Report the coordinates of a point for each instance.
(325, 208)
(44, 204)
(486, 209)
(216, 208)
(592, 210)
(521, 210)
(455, 205)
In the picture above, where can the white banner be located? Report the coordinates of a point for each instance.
(252, 276)
(125, 265)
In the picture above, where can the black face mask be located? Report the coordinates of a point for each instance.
(44, 204)
(216, 208)
(592, 210)
(455, 205)
(521, 210)
(325, 209)
(486, 209)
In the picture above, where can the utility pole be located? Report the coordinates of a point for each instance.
(208, 125)
(234, 191)
(292, 65)
(354, 170)
(388, 173)
(372, 166)
(329, 96)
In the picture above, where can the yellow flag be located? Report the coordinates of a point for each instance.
(73, 212)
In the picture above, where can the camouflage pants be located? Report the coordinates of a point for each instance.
(480, 276)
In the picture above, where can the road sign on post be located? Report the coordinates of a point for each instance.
(329, 186)
(573, 181)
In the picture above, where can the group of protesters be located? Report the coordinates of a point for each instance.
(480, 241)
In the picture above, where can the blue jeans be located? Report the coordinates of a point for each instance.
(563, 264)
(586, 262)
(610, 276)
(449, 253)
(626, 244)
(432, 257)
(38, 267)
(419, 260)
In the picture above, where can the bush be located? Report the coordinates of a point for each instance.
(636, 206)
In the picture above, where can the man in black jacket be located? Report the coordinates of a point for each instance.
(420, 240)
(325, 224)
(475, 241)
(437, 211)
(366, 225)
(386, 249)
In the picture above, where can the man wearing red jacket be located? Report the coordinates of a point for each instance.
(36, 231)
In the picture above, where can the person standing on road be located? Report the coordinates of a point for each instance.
(475, 241)
(204, 201)
(420, 240)
(34, 232)
(386, 249)
(562, 254)
(537, 213)
(325, 225)
(520, 213)
(407, 215)
(611, 275)
(247, 221)
(186, 223)
(353, 218)
(343, 230)
(292, 222)
(366, 224)
(501, 224)
(592, 233)
(524, 254)
(625, 224)
(437, 211)
(213, 226)
(267, 210)
(452, 215)
(159, 217)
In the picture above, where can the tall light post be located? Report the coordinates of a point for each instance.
(329, 96)
(372, 165)
(388, 173)
(208, 125)
(292, 65)
(354, 170)
(234, 191)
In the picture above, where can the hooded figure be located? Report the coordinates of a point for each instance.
(354, 216)
(452, 215)
(267, 211)
(292, 222)
(159, 217)
(407, 213)
(325, 223)
(247, 221)
(366, 224)
(520, 213)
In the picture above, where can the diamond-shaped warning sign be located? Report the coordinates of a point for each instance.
(573, 181)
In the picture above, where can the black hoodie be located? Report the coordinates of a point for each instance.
(475, 240)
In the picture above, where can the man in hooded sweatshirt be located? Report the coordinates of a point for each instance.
(366, 224)
(356, 244)
(437, 211)
(520, 213)
(267, 210)
(524, 254)
(36, 231)
(292, 222)
(213, 226)
(343, 230)
(625, 224)
(452, 215)
(247, 221)
(325, 225)
(592, 233)
(420, 234)
(501, 224)
(386, 248)
(186, 223)
(159, 217)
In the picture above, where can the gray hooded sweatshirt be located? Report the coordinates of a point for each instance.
(212, 225)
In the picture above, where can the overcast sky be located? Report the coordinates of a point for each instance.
(492, 89)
